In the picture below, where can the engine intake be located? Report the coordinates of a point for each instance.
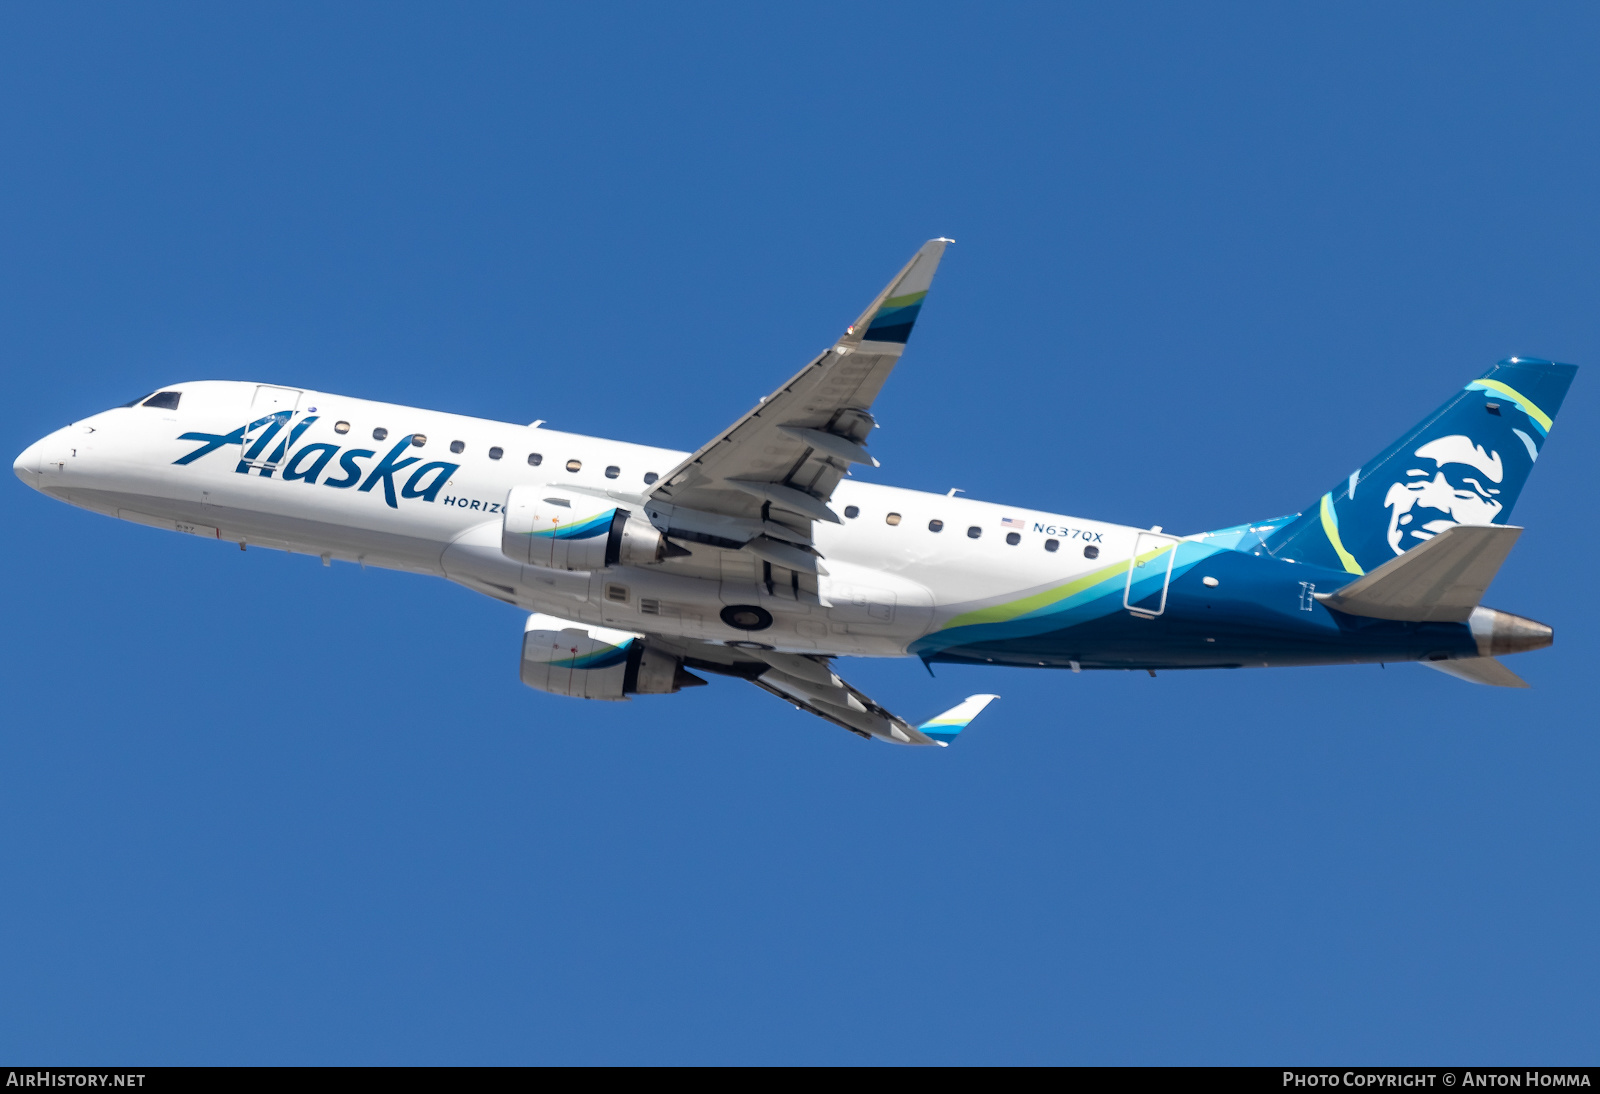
(567, 658)
(562, 530)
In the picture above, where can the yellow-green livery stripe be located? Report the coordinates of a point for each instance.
(1516, 396)
(1001, 613)
(1330, 525)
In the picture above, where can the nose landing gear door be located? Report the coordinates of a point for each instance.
(270, 411)
(1149, 574)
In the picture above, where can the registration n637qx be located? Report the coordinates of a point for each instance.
(757, 557)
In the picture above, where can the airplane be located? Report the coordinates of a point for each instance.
(757, 556)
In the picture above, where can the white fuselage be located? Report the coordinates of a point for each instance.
(890, 577)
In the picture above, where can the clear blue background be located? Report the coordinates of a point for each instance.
(1209, 259)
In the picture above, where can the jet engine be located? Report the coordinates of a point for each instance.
(567, 658)
(562, 530)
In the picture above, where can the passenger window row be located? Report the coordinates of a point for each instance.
(458, 447)
(973, 531)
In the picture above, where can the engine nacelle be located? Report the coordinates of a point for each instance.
(562, 530)
(567, 658)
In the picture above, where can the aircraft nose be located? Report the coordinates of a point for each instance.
(26, 465)
(45, 454)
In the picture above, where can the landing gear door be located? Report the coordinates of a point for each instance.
(270, 411)
(1149, 574)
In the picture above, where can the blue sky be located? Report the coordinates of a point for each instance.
(1208, 260)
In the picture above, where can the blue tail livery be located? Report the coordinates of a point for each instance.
(1465, 463)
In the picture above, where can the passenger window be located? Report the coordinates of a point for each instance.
(496, 452)
(936, 526)
(650, 477)
(892, 518)
(613, 471)
(164, 400)
(341, 427)
(1091, 552)
(380, 433)
(534, 459)
(852, 511)
(974, 532)
(458, 447)
(418, 440)
(1052, 545)
(574, 465)
(1013, 538)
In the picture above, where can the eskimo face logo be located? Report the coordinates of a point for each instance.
(1461, 488)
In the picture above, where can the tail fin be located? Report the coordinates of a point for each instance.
(1464, 464)
(944, 727)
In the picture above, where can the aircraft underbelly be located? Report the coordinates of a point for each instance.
(653, 600)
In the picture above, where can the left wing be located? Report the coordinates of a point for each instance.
(812, 686)
(761, 482)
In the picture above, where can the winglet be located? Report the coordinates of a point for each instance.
(944, 727)
(890, 317)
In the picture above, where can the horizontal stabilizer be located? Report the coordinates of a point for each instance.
(1480, 670)
(1439, 581)
(944, 727)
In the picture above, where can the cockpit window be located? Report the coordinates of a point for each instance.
(164, 400)
(136, 402)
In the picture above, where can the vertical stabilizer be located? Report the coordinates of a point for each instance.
(1463, 464)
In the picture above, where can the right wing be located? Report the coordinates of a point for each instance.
(812, 686)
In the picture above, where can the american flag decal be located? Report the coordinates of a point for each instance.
(1014, 522)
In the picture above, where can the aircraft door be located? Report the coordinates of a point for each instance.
(268, 400)
(1149, 574)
